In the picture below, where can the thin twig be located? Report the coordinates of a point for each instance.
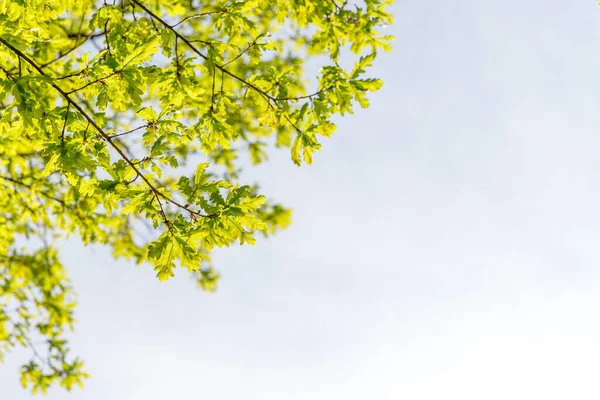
(240, 54)
(62, 135)
(128, 132)
(309, 96)
(95, 81)
(201, 15)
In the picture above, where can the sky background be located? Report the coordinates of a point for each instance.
(444, 246)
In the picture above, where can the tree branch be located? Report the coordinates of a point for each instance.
(101, 132)
(271, 100)
(267, 96)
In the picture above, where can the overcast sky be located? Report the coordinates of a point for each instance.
(445, 243)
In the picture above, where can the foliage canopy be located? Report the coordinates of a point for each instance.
(129, 114)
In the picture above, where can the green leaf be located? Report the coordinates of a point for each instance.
(107, 185)
(296, 150)
(199, 176)
(159, 247)
(234, 195)
(216, 198)
(165, 271)
(147, 114)
(370, 84)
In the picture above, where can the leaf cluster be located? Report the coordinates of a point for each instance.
(126, 123)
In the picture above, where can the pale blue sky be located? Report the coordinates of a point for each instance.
(444, 244)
